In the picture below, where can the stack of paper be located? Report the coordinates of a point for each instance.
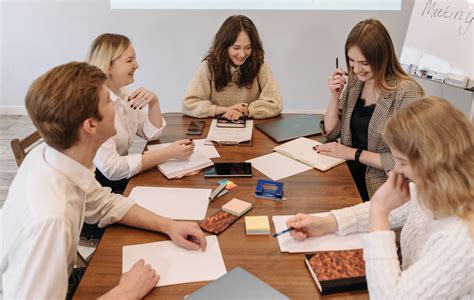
(177, 265)
(174, 168)
(206, 148)
(257, 225)
(325, 242)
(174, 203)
(203, 146)
(237, 207)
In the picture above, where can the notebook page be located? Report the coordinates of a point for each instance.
(321, 243)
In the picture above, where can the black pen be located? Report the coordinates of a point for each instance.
(283, 231)
(337, 65)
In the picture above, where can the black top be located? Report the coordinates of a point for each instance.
(359, 131)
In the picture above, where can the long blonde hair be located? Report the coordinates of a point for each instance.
(106, 48)
(438, 141)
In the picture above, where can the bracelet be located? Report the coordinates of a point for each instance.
(357, 155)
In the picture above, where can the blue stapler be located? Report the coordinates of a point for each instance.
(269, 189)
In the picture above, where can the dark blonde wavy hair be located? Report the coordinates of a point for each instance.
(438, 141)
(218, 57)
(373, 40)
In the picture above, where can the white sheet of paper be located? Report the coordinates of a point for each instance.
(177, 265)
(277, 166)
(208, 150)
(320, 243)
(174, 203)
(233, 135)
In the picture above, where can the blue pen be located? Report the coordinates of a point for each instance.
(282, 232)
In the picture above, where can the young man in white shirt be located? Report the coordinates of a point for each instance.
(55, 191)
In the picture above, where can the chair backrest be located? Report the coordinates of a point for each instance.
(21, 148)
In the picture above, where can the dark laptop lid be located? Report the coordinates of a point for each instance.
(237, 284)
(291, 127)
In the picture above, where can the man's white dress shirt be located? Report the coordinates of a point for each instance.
(48, 201)
(112, 158)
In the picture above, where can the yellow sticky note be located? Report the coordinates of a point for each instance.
(257, 225)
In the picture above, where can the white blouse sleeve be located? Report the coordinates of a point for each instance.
(41, 266)
(114, 166)
(147, 130)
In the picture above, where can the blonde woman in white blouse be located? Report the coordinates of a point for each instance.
(116, 57)
(433, 146)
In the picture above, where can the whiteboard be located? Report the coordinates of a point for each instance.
(440, 37)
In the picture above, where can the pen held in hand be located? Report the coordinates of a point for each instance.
(283, 231)
(337, 65)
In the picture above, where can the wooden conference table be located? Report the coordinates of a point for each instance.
(311, 191)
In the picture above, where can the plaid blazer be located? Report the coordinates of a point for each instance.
(386, 105)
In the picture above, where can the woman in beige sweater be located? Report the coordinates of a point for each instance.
(233, 79)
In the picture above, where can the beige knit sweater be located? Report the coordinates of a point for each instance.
(263, 97)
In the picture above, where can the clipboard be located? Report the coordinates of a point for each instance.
(231, 136)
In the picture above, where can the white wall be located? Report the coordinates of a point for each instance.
(301, 46)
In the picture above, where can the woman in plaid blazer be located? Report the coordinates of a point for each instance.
(361, 100)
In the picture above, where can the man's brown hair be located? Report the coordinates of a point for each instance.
(60, 100)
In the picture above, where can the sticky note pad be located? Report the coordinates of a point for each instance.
(222, 181)
(230, 185)
(237, 207)
(257, 225)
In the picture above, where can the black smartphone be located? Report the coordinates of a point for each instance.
(196, 127)
(229, 170)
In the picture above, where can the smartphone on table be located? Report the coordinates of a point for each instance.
(196, 127)
(229, 170)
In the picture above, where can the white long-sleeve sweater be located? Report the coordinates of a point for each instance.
(438, 254)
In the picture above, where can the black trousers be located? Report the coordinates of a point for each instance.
(74, 280)
(117, 186)
(358, 174)
(92, 231)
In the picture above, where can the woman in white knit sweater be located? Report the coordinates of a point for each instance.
(233, 80)
(433, 146)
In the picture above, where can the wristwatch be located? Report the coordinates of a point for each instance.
(357, 154)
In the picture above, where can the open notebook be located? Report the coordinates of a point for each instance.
(301, 149)
(175, 168)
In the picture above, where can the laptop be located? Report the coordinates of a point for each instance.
(291, 127)
(236, 284)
